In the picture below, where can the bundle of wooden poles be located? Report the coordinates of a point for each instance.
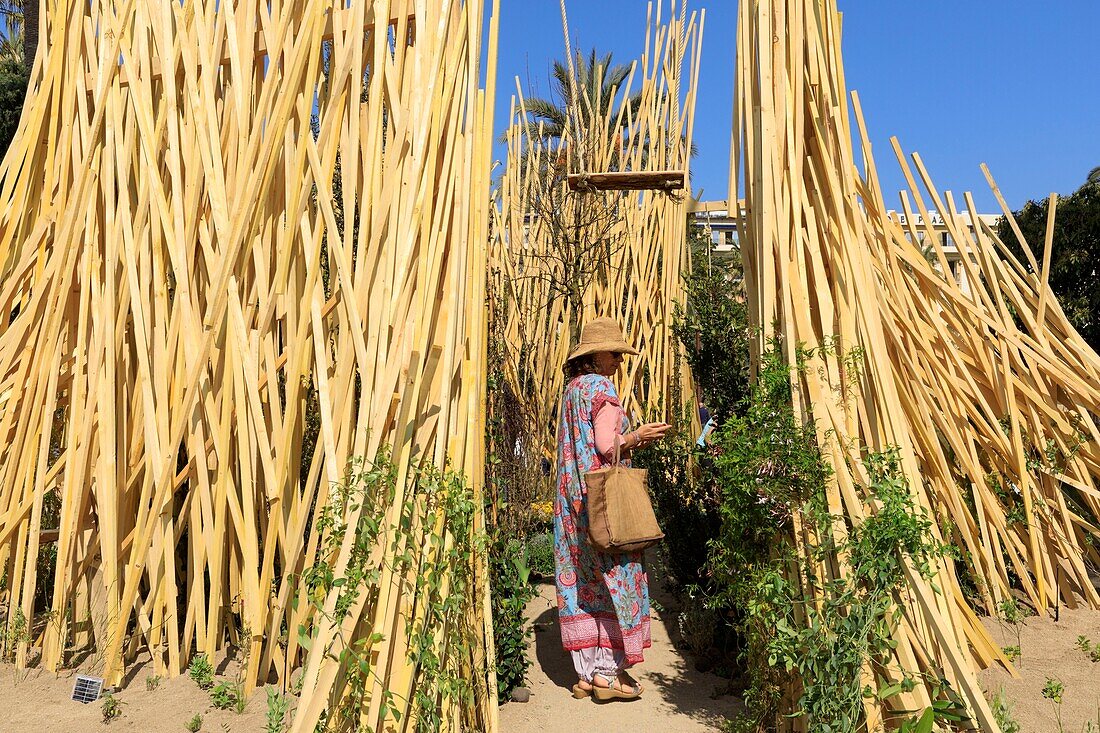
(631, 244)
(972, 371)
(240, 244)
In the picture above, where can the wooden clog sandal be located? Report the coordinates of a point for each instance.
(616, 691)
(580, 693)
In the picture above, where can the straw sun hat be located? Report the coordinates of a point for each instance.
(601, 334)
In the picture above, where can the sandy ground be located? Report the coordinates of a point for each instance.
(679, 699)
(39, 702)
(676, 698)
(1049, 649)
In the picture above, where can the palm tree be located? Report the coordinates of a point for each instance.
(30, 30)
(597, 85)
(1094, 175)
(12, 37)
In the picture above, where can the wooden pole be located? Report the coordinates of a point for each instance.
(985, 389)
(239, 246)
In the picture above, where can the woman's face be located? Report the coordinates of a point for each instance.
(607, 362)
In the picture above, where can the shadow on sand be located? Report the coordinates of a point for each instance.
(667, 672)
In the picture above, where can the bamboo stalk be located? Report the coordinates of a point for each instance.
(223, 227)
(981, 386)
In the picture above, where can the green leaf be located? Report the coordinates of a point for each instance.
(924, 725)
(890, 691)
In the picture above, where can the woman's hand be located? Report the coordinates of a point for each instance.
(651, 432)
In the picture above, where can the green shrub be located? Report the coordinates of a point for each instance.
(540, 554)
(511, 592)
(683, 478)
(514, 484)
(767, 466)
(686, 500)
(201, 671)
(799, 620)
(195, 724)
(437, 511)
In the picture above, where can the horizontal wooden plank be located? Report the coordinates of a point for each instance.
(628, 181)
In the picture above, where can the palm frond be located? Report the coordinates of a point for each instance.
(598, 81)
(560, 73)
(589, 74)
(12, 49)
(616, 75)
(545, 110)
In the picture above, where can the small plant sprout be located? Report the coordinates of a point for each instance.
(1013, 613)
(226, 695)
(1053, 691)
(152, 682)
(202, 672)
(1093, 726)
(1093, 650)
(1002, 713)
(277, 707)
(195, 724)
(112, 708)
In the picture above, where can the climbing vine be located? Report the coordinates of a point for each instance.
(431, 547)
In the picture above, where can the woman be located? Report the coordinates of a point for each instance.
(603, 599)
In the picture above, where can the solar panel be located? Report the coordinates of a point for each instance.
(87, 689)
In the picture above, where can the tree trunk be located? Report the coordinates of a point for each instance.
(30, 31)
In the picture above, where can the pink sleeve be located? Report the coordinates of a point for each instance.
(607, 424)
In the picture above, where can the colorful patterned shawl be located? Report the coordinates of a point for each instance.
(603, 599)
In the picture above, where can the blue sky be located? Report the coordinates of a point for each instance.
(1010, 83)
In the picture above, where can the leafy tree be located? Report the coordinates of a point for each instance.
(1094, 175)
(1074, 268)
(13, 90)
(714, 326)
(15, 45)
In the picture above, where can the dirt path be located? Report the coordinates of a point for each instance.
(676, 698)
